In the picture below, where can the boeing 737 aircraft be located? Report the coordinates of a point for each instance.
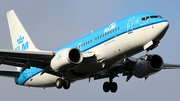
(104, 53)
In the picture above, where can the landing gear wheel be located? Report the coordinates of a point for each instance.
(110, 86)
(114, 87)
(66, 84)
(59, 83)
(106, 86)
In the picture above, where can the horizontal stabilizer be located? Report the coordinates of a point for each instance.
(9, 73)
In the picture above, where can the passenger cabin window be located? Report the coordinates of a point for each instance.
(106, 33)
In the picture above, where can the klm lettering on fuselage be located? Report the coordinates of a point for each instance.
(21, 44)
(111, 26)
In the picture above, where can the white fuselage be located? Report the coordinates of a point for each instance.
(110, 51)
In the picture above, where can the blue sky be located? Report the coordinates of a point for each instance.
(54, 23)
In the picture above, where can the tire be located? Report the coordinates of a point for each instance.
(114, 87)
(106, 86)
(59, 83)
(66, 84)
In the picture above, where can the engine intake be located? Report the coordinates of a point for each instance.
(144, 68)
(75, 56)
(66, 59)
(156, 62)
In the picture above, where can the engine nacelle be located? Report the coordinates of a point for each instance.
(66, 59)
(144, 68)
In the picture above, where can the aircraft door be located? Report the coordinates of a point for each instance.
(130, 25)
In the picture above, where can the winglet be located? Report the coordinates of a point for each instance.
(19, 37)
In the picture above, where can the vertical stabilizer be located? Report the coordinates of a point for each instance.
(19, 37)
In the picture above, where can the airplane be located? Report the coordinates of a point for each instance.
(104, 53)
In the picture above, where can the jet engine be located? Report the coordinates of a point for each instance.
(144, 68)
(66, 59)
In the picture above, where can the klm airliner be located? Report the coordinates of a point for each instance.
(104, 53)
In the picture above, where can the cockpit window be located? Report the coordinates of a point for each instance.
(145, 18)
(159, 16)
(152, 16)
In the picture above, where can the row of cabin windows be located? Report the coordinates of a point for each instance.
(84, 44)
(107, 33)
(101, 36)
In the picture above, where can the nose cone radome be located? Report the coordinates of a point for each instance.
(163, 27)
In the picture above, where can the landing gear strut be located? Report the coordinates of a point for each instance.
(150, 46)
(107, 86)
(63, 83)
(147, 56)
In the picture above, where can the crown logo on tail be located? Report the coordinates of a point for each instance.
(20, 39)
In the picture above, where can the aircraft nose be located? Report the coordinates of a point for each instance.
(163, 27)
(166, 24)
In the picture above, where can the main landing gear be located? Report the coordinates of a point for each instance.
(65, 83)
(110, 86)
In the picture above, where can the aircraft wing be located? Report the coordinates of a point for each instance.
(171, 66)
(137, 67)
(25, 59)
